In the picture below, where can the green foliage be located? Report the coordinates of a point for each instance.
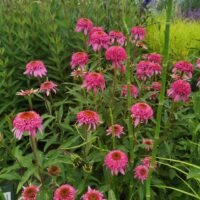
(44, 30)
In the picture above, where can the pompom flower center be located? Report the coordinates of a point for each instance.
(30, 193)
(116, 156)
(64, 193)
(89, 113)
(142, 106)
(143, 172)
(95, 75)
(27, 115)
(93, 196)
(47, 84)
(99, 32)
(148, 142)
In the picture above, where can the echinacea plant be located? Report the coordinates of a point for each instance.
(112, 131)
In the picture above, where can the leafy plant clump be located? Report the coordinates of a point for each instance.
(124, 125)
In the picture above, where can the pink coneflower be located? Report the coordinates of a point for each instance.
(153, 57)
(156, 86)
(89, 118)
(30, 192)
(78, 73)
(117, 55)
(47, 87)
(144, 70)
(93, 194)
(138, 32)
(27, 92)
(198, 63)
(140, 44)
(84, 24)
(64, 192)
(79, 59)
(180, 90)
(36, 68)
(184, 68)
(118, 37)
(141, 172)
(98, 40)
(134, 91)
(141, 112)
(29, 122)
(116, 129)
(95, 28)
(156, 67)
(95, 81)
(116, 161)
(148, 144)
(147, 162)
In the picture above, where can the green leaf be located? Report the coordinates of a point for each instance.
(10, 176)
(25, 177)
(194, 173)
(111, 195)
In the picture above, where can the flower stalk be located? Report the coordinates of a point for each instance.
(129, 122)
(34, 149)
(161, 96)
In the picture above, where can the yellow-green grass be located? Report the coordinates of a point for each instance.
(185, 38)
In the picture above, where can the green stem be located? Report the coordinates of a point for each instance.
(87, 144)
(161, 97)
(30, 102)
(34, 149)
(99, 60)
(129, 98)
(112, 124)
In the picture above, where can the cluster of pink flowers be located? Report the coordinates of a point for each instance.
(63, 192)
(28, 122)
(85, 25)
(117, 55)
(141, 171)
(148, 144)
(146, 69)
(36, 68)
(118, 37)
(79, 59)
(94, 80)
(134, 91)
(116, 130)
(180, 90)
(155, 87)
(183, 68)
(88, 118)
(99, 39)
(147, 162)
(30, 192)
(47, 87)
(138, 32)
(153, 57)
(141, 113)
(116, 161)
(93, 194)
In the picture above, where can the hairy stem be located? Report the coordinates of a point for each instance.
(161, 96)
(129, 98)
(112, 123)
(34, 149)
